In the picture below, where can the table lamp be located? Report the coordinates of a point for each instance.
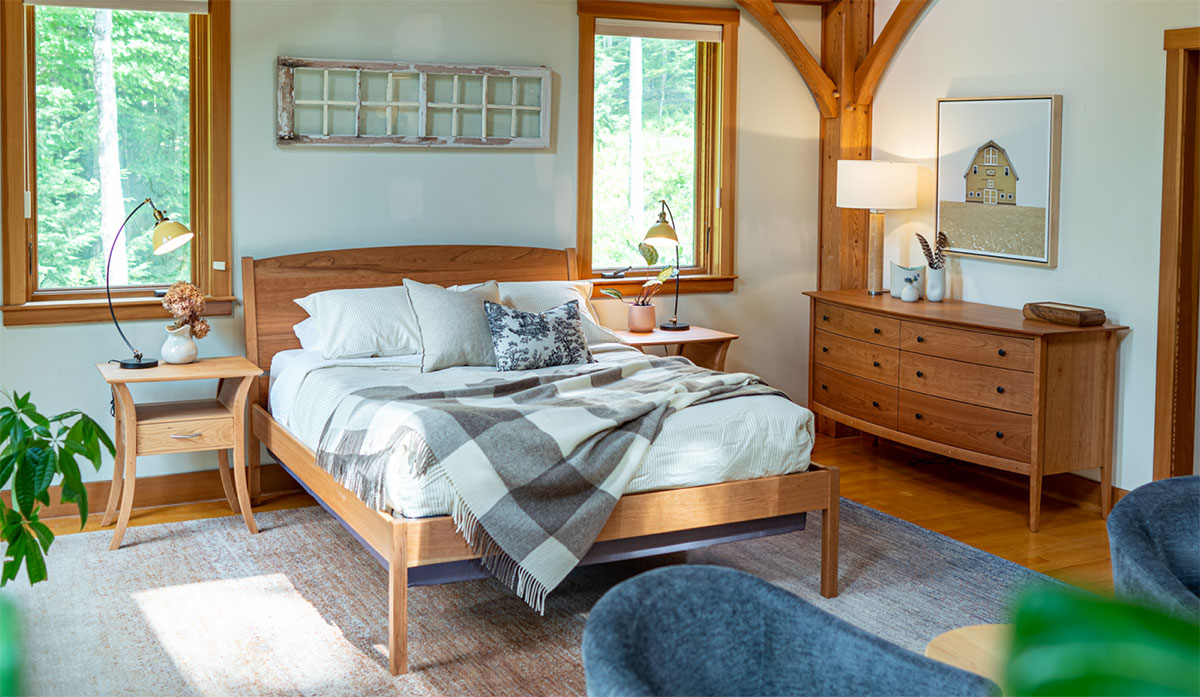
(876, 186)
(662, 234)
(168, 236)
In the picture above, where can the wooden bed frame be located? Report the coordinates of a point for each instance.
(639, 520)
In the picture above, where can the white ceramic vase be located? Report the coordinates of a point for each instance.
(641, 318)
(179, 346)
(909, 294)
(935, 285)
(899, 273)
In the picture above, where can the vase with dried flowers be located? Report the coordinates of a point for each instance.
(185, 302)
(935, 280)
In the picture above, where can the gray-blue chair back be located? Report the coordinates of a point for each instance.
(1154, 534)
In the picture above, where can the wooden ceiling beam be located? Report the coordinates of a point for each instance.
(870, 72)
(819, 83)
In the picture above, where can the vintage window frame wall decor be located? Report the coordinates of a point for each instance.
(211, 249)
(716, 136)
(422, 105)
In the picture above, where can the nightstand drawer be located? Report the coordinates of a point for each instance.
(884, 331)
(982, 430)
(862, 399)
(184, 436)
(865, 360)
(999, 388)
(968, 345)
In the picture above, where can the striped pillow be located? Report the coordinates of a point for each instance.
(364, 322)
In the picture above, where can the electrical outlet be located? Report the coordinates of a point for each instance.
(218, 266)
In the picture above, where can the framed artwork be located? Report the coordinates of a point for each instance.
(998, 163)
(377, 103)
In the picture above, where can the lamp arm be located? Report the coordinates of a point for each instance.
(672, 216)
(108, 267)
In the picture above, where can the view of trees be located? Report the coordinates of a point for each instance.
(645, 130)
(112, 129)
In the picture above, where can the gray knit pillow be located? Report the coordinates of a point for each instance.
(528, 340)
(454, 328)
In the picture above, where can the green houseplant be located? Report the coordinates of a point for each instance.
(35, 450)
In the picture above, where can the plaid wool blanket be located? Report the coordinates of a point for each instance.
(536, 461)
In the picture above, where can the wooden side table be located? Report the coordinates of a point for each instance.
(980, 649)
(180, 427)
(704, 347)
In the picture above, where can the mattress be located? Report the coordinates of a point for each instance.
(728, 440)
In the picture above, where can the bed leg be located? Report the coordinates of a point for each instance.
(829, 537)
(398, 601)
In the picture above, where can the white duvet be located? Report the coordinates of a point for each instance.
(728, 440)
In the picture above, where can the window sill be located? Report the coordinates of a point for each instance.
(688, 284)
(79, 311)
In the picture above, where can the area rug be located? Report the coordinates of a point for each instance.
(203, 608)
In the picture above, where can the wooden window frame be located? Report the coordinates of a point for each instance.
(211, 249)
(714, 271)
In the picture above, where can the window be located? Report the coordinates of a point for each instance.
(989, 157)
(1006, 171)
(656, 123)
(974, 169)
(116, 106)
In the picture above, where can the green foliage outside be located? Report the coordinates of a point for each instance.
(150, 58)
(668, 108)
(35, 450)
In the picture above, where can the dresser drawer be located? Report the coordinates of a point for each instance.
(999, 388)
(967, 345)
(983, 430)
(860, 358)
(862, 399)
(184, 436)
(884, 331)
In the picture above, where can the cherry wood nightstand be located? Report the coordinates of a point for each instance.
(180, 427)
(704, 347)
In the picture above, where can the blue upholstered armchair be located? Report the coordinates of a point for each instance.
(707, 630)
(1154, 533)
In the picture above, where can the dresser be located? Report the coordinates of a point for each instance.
(969, 381)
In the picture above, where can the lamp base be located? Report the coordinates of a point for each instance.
(135, 363)
(674, 326)
(876, 292)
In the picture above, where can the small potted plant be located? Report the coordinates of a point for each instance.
(935, 277)
(186, 303)
(641, 311)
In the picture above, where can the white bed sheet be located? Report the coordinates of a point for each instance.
(728, 440)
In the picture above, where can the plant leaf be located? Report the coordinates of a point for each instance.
(649, 253)
(98, 431)
(47, 461)
(35, 563)
(667, 272)
(612, 293)
(7, 464)
(73, 490)
(44, 535)
(652, 282)
(66, 415)
(24, 484)
(16, 554)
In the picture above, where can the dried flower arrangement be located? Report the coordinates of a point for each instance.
(185, 302)
(936, 256)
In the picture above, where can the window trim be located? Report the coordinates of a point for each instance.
(211, 191)
(716, 274)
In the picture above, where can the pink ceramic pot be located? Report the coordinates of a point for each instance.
(641, 318)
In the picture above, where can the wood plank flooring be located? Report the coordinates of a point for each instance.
(980, 507)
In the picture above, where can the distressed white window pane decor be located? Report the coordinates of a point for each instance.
(341, 102)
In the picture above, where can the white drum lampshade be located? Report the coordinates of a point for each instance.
(876, 186)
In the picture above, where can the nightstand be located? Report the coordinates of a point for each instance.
(180, 427)
(704, 347)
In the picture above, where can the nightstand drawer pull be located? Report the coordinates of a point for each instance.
(190, 435)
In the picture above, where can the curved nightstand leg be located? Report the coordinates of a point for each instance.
(128, 436)
(114, 492)
(226, 481)
(239, 454)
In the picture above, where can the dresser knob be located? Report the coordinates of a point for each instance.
(876, 364)
(875, 404)
(876, 330)
(824, 349)
(920, 339)
(918, 415)
(1000, 390)
(920, 374)
(1001, 352)
(999, 434)
(824, 318)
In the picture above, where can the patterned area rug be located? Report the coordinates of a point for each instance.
(202, 608)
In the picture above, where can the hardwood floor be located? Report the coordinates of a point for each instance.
(980, 507)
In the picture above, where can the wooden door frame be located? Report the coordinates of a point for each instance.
(1179, 272)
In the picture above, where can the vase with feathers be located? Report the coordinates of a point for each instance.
(935, 281)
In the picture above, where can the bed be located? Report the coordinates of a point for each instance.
(673, 506)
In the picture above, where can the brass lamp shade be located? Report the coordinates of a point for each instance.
(661, 234)
(169, 236)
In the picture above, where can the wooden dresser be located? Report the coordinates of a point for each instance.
(969, 381)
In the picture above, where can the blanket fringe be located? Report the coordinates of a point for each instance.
(495, 560)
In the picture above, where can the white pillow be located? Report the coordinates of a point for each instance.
(540, 296)
(454, 325)
(363, 322)
(309, 334)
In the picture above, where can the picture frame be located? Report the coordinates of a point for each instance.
(999, 162)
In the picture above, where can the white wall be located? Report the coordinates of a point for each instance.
(294, 200)
(1107, 60)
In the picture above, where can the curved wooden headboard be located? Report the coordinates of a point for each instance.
(270, 286)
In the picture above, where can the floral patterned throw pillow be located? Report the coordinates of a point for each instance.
(528, 340)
